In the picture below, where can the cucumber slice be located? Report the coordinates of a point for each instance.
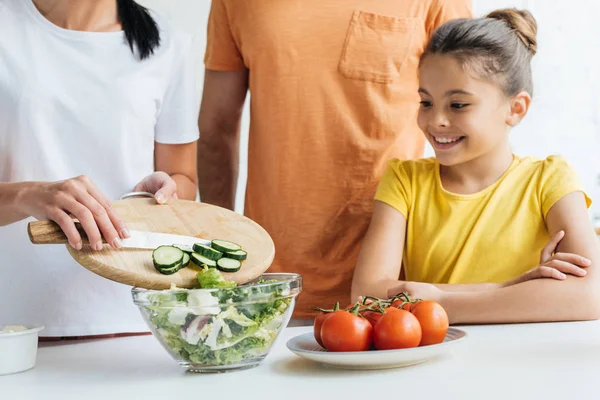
(166, 257)
(172, 270)
(201, 261)
(185, 248)
(228, 265)
(225, 246)
(186, 260)
(207, 252)
(237, 255)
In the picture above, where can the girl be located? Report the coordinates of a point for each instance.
(474, 220)
(97, 98)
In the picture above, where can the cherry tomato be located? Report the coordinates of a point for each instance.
(317, 328)
(397, 330)
(344, 331)
(433, 320)
(398, 303)
(374, 316)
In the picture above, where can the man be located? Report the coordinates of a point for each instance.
(333, 97)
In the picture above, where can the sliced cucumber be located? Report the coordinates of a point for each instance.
(207, 252)
(225, 246)
(228, 265)
(172, 270)
(186, 260)
(201, 261)
(185, 248)
(167, 257)
(237, 255)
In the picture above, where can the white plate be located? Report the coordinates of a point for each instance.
(307, 347)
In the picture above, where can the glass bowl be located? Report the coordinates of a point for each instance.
(220, 330)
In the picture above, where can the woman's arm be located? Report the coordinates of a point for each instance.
(175, 175)
(57, 201)
(11, 209)
(575, 298)
(179, 161)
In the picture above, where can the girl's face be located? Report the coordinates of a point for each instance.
(462, 116)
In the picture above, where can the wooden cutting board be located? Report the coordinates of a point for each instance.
(181, 217)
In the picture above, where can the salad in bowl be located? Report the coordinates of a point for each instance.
(220, 326)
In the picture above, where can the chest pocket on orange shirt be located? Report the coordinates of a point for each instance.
(377, 46)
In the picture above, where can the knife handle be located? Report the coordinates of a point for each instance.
(49, 232)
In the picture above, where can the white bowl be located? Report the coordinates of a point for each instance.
(18, 350)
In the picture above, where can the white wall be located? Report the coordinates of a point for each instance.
(565, 115)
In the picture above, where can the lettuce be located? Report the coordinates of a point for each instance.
(211, 278)
(220, 327)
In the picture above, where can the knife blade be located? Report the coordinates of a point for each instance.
(48, 232)
(151, 240)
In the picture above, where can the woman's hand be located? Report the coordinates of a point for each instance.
(554, 265)
(80, 198)
(160, 184)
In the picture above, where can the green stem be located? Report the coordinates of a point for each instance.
(336, 307)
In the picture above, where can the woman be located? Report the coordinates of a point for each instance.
(96, 99)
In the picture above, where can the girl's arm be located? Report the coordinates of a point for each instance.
(380, 260)
(539, 300)
(555, 266)
(577, 298)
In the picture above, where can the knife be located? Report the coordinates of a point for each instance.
(49, 232)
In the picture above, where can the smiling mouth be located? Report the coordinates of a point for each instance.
(446, 142)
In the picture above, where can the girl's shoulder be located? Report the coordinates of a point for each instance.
(546, 167)
(420, 167)
(552, 177)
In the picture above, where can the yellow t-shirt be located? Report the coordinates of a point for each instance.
(490, 236)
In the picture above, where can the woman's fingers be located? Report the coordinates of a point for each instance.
(67, 225)
(115, 220)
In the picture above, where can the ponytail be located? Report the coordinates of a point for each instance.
(141, 31)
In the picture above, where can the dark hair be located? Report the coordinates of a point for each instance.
(140, 28)
(498, 46)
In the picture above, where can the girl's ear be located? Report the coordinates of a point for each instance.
(519, 105)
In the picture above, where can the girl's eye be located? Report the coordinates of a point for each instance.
(425, 104)
(459, 106)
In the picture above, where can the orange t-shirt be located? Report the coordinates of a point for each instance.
(333, 88)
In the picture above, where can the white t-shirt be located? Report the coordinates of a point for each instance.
(74, 103)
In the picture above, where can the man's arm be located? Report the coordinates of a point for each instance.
(218, 148)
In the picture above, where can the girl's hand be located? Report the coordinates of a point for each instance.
(78, 197)
(160, 184)
(417, 290)
(554, 265)
(558, 267)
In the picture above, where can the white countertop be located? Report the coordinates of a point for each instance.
(533, 361)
